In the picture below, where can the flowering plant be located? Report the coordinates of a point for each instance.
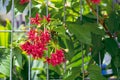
(77, 33)
(37, 42)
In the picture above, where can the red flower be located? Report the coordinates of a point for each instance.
(23, 1)
(95, 1)
(32, 34)
(38, 50)
(45, 36)
(26, 47)
(37, 43)
(47, 18)
(56, 58)
(35, 20)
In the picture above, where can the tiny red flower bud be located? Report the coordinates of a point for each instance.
(36, 20)
(23, 1)
(95, 1)
(47, 18)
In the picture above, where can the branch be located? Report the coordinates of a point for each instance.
(101, 21)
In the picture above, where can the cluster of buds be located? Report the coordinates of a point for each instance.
(23, 1)
(56, 58)
(36, 43)
(37, 19)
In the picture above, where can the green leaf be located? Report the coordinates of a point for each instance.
(20, 7)
(113, 22)
(77, 56)
(36, 2)
(24, 71)
(113, 67)
(111, 46)
(116, 61)
(2, 76)
(57, 3)
(70, 48)
(95, 73)
(78, 62)
(83, 32)
(9, 6)
(5, 66)
(97, 47)
(17, 52)
(56, 69)
(53, 74)
(60, 29)
(3, 53)
(71, 75)
(34, 10)
(39, 1)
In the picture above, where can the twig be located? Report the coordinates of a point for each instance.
(101, 21)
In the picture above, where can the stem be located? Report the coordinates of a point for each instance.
(101, 21)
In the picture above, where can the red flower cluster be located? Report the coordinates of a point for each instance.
(23, 1)
(95, 1)
(45, 36)
(32, 34)
(37, 19)
(56, 58)
(47, 18)
(36, 44)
